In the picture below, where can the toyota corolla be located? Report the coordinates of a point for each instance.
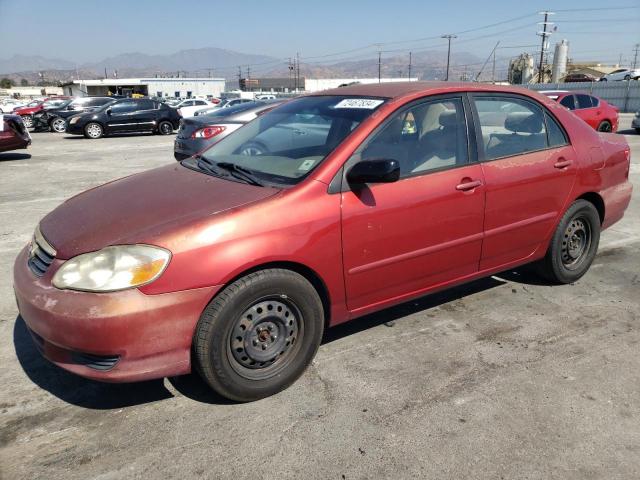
(331, 206)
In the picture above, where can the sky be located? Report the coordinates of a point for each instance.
(322, 31)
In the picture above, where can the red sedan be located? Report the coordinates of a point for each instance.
(13, 134)
(329, 207)
(601, 115)
(28, 110)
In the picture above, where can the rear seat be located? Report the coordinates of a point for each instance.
(527, 135)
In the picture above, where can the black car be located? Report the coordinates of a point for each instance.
(126, 115)
(55, 119)
(198, 133)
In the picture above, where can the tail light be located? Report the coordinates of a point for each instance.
(208, 132)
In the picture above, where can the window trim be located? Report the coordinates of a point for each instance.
(478, 130)
(341, 186)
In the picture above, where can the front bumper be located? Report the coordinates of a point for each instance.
(75, 129)
(146, 336)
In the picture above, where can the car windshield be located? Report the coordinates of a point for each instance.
(286, 144)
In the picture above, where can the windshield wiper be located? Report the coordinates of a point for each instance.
(240, 172)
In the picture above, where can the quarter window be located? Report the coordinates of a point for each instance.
(556, 136)
(568, 102)
(584, 101)
(510, 126)
(428, 136)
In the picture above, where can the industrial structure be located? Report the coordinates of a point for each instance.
(159, 87)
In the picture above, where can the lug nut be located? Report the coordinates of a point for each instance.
(264, 347)
(273, 338)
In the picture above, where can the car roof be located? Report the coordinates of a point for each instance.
(395, 90)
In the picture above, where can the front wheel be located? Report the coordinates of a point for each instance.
(259, 334)
(93, 130)
(165, 128)
(28, 121)
(574, 244)
(58, 125)
(605, 126)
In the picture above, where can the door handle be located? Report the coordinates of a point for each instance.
(468, 185)
(562, 163)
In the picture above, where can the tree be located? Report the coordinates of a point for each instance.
(6, 83)
(24, 82)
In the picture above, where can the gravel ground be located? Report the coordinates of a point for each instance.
(501, 378)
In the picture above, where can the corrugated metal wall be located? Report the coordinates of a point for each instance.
(624, 95)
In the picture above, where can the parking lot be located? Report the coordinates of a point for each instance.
(505, 377)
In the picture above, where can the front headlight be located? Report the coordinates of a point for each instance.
(74, 120)
(112, 268)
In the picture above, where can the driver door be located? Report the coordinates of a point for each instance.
(403, 238)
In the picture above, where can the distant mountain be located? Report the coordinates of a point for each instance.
(30, 63)
(426, 65)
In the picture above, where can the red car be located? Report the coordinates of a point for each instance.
(13, 134)
(27, 111)
(328, 207)
(601, 115)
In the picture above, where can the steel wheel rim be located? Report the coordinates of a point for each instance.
(28, 122)
(58, 125)
(265, 338)
(576, 243)
(94, 130)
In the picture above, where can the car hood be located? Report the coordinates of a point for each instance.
(142, 208)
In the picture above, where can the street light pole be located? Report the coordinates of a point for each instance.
(448, 37)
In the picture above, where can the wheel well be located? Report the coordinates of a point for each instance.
(597, 202)
(312, 277)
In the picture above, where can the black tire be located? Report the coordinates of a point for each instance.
(603, 79)
(232, 352)
(574, 244)
(638, 130)
(58, 125)
(605, 126)
(93, 130)
(165, 128)
(627, 77)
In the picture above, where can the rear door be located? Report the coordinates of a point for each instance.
(120, 116)
(529, 168)
(587, 111)
(402, 238)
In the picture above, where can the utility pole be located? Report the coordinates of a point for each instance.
(239, 77)
(409, 66)
(297, 70)
(493, 69)
(290, 73)
(635, 55)
(448, 37)
(544, 34)
(379, 65)
(209, 72)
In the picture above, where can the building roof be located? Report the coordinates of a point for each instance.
(140, 81)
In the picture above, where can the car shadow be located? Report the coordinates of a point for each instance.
(115, 135)
(9, 156)
(630, 131)
(104, 396)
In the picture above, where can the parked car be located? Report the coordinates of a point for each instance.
(229, 102)
(579, 77)
(601, 115)
(13, 133)
(198, 133)
(8, 105)
(188, 107)
(55, 118)
(27, 111)
(635, 123)
(622, 74)
(125, 115)
(233, 263)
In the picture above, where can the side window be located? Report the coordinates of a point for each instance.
(123, 107)
(200, 102)
(510, 126)
(568, 102)
(428, 136)
(145, 105)
(556, 136)
(595, 101)
(584, 101)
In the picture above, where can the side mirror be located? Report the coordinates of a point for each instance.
(374, 171)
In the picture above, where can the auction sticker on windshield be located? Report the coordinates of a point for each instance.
(368, 103)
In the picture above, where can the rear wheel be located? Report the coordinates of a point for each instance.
(605, 126)
(28, 121)
(58, 125)
(627, 77)
(637, 130)
(574, 244)
(165, 128)
(93, 130)
(259, 334)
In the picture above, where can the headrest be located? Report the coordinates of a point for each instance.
(523, 122)
(448, 118)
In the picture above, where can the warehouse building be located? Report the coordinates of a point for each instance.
(285, 85)
(155, 87)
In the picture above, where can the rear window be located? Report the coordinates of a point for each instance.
(224, 112)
